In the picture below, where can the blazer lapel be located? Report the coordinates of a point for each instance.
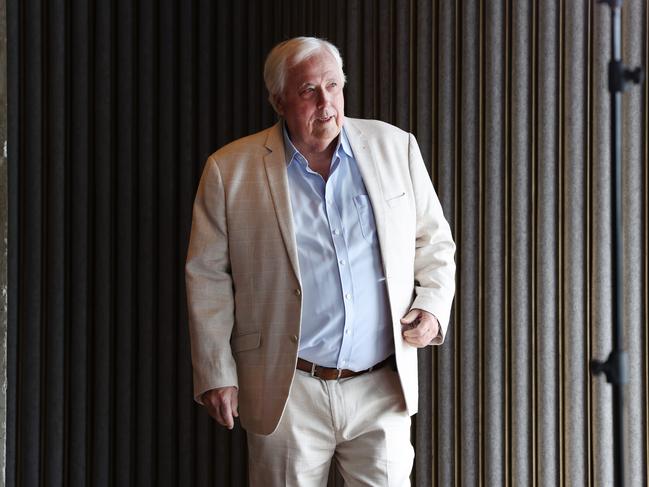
(275, 162)
(368, 167)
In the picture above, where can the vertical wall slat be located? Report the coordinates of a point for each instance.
(78, 357)
(187, 156)
(493, 248)
(481, 257)
(589, 229)
(102, 348)
(561, 411)
(367, 89)
(55, 241)
(507, 233)
(14, 52)
(547, 313)
(126, 242)
(632, 246)
(30, 339)
(468, 254)
(601, 304)
(576, 376)
(385, 55)
(533, 254)
(147, 255)
(645, 252)
(167, 167)
(520, 265)
(401, 64)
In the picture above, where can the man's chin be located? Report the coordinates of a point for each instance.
(327, 131)
(320, 142)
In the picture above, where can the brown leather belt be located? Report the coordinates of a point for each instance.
(326, 373)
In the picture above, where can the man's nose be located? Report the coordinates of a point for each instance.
(323, 97)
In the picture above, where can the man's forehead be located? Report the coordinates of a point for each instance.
(317, 66)
(316, 77)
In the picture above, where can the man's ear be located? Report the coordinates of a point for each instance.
(279, 105)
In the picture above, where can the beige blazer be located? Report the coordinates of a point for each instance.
(243, 280)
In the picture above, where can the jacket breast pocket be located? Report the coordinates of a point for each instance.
(365, 217)
(397, 200)
(245, 342)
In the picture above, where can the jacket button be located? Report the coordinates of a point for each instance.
(298, 292)
(294, 338)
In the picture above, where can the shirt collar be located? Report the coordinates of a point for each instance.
(291, 151)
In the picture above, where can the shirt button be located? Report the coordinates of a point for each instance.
(342, 261)
(336, 232)
(348, 296)
(294, 338)
(298, 292)
(347, 331)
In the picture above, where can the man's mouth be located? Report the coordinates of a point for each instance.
(324, 119)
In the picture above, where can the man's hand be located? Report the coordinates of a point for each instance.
(419, 328)
(223, 405)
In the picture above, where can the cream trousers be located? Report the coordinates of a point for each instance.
(360, 422)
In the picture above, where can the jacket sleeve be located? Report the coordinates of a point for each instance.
(210, 293)
(434, 247)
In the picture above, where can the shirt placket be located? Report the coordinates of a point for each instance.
(340, 244)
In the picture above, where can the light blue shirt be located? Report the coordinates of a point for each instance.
(346, 321)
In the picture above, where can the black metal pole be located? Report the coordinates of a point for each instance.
(615, 367)
(617, 250)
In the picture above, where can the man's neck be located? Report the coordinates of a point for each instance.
(320, 157)
(319, 160)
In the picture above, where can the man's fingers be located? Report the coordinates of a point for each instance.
(220, 414)
(419, 331)
(410, 317)
(420, 328)
(226, 415)
(222, 404)
(235, 404)
(213, 409)
(216, 414)
(418, 342)
(427, 324)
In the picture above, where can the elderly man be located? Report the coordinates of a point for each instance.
(319, 262)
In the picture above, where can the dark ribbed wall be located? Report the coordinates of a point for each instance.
(114, 106)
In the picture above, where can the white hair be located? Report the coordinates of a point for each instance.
(290, 53)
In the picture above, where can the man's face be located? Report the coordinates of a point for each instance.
(313, 103)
